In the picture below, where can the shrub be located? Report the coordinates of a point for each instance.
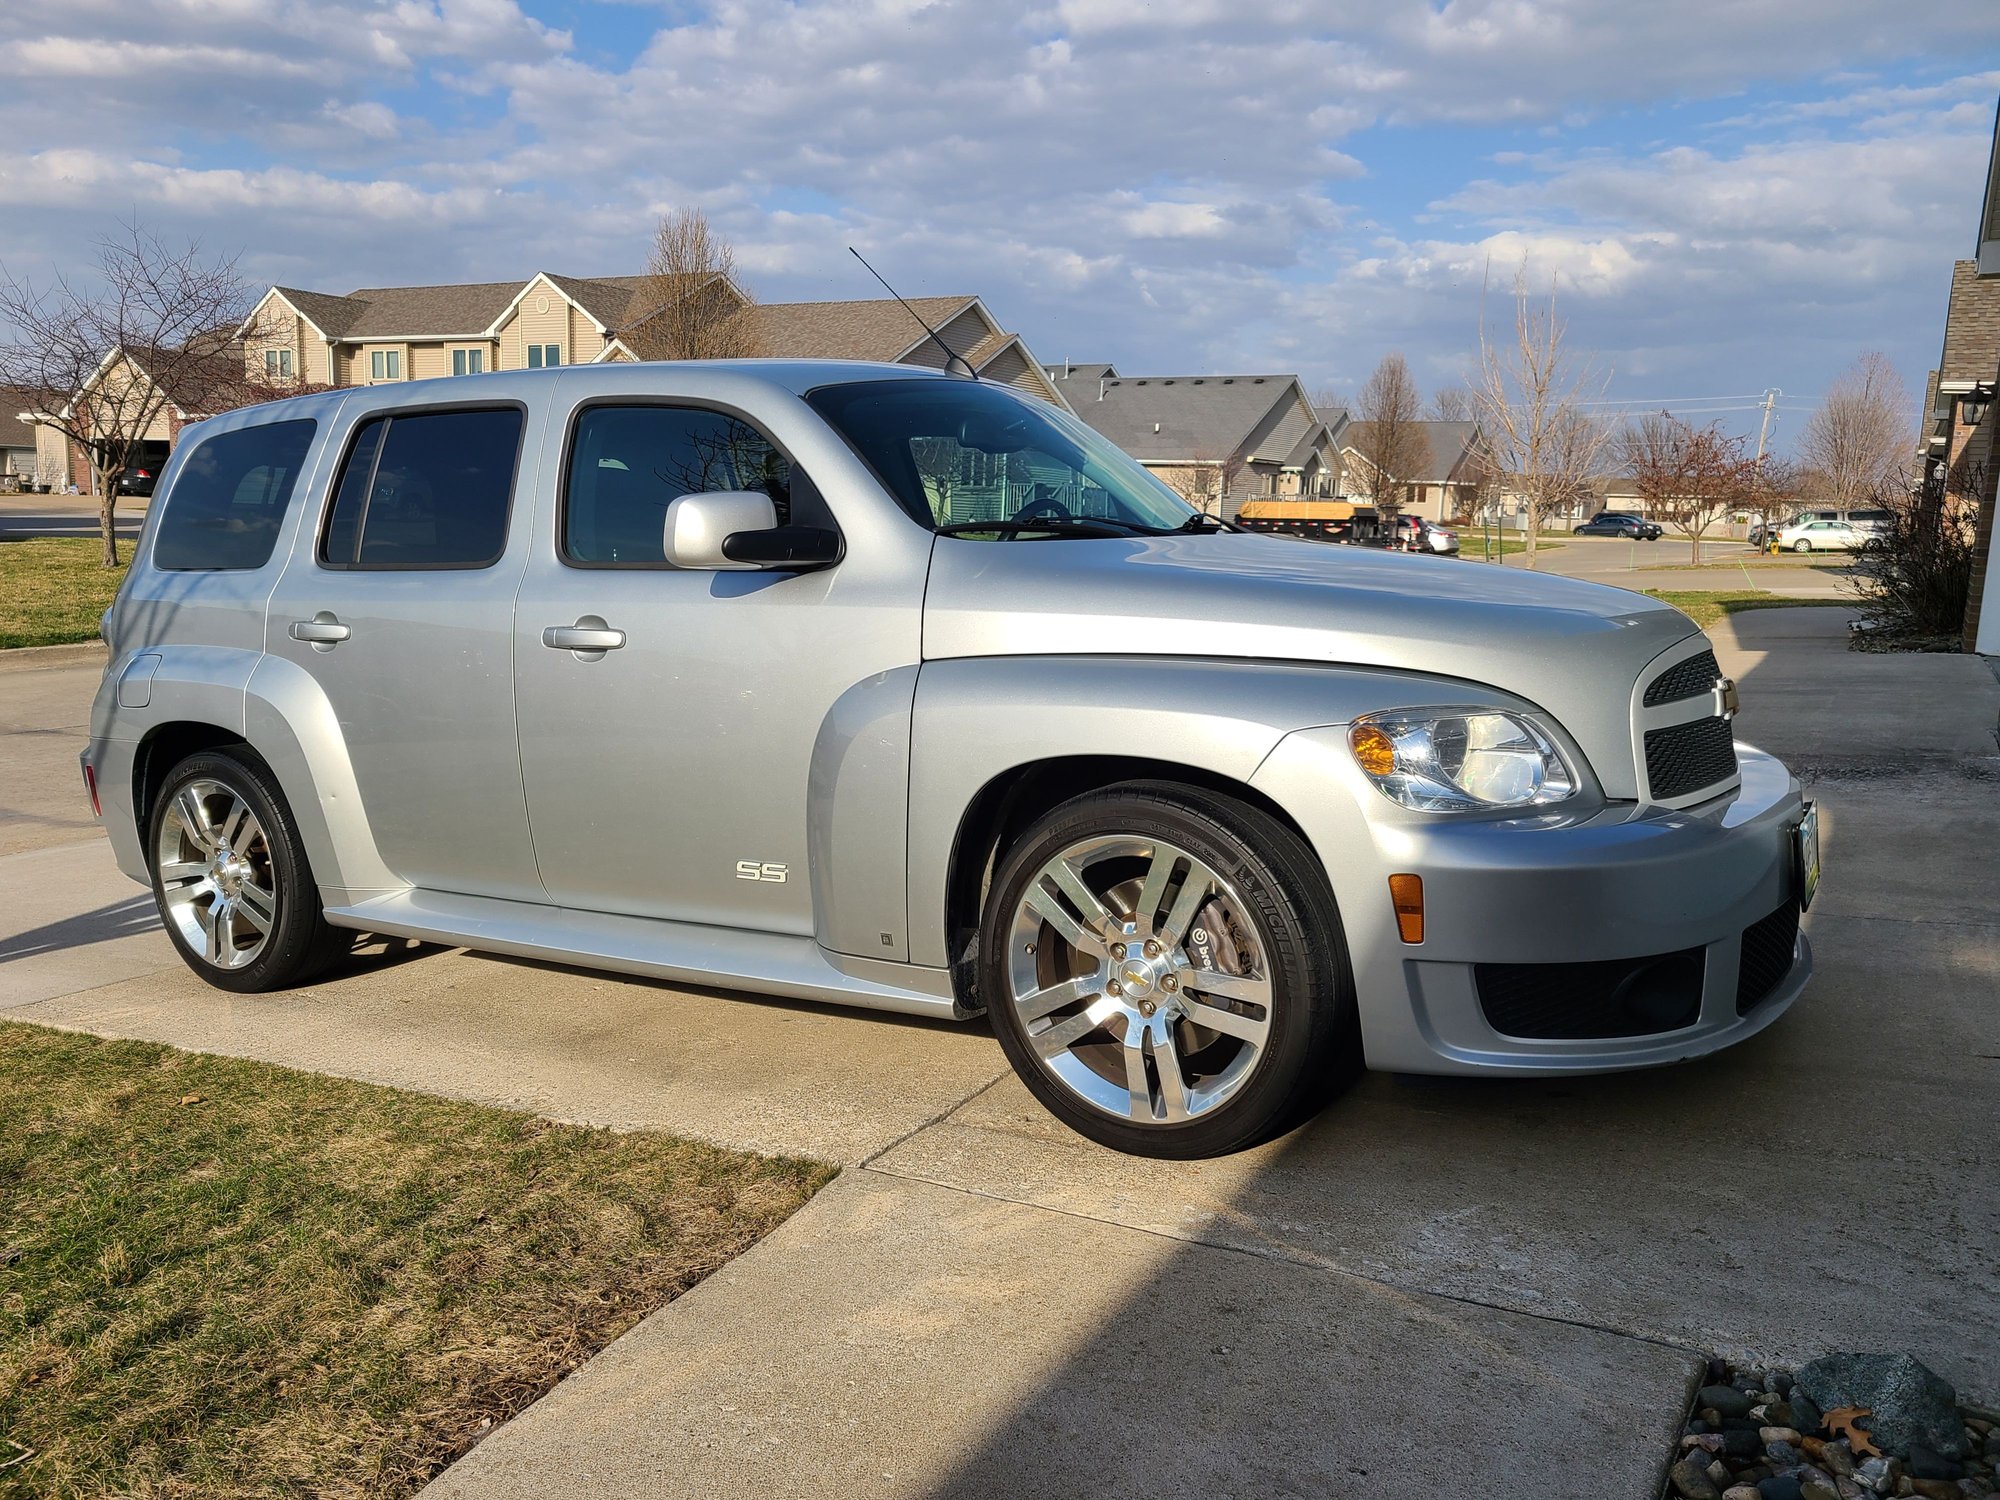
(1912, 578)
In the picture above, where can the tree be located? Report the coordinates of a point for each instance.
(1862, 434)
(695, 307)
(1203, 481)
(1387, 436)
(1531, 396)
(1453, 403)
(159, 326)
(1692, 476)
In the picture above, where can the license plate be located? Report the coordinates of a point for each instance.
(1808, 847)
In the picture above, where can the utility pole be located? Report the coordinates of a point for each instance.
(1764, 428)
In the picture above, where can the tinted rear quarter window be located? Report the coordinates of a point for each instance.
(426, 490)
(229, 498)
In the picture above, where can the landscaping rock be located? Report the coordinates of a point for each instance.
(1741, 1492)
(1778, 1487)
(1937, 1489)
(1879, 1474)
(1908, 1404)
(1690, 1480)
(1725, 1399)
(1812, 1489)
(1925, 1464)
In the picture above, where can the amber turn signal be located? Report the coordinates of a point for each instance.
(1406, 894)
(1373, 750)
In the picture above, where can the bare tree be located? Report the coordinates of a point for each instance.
(1204, 481)
(1453, 403)
(158, 326)
(693, 305)
(1862, 434)
(1386, 434)
(1531, 400)
(1692, 476)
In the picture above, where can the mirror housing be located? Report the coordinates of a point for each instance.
(792, 549)
(699, 526)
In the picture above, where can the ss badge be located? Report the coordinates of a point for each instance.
(750, 869)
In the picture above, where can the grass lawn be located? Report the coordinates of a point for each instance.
(1706, 606)
(52, 589)
(221, 1278)
(1472, 544)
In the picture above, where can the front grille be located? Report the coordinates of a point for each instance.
(1687, 679)
(1684, 758)
(1603, 998)
(1768, 947)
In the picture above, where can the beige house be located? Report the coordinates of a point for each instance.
(1456, 463)
(381, 334)
(168, 389)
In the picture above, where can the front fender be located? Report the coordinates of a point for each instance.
(980, 718)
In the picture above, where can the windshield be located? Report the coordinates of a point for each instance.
(957, 452)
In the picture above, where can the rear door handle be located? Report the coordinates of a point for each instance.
(323, 630)
(583, 637)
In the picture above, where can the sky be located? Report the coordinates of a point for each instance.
(1730, 196)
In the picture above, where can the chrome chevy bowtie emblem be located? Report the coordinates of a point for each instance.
(1726, 701)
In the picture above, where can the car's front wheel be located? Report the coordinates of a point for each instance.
(230, 875)
(1164, 968)
(1802, 545)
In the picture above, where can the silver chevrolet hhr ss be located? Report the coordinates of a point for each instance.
(897, 689)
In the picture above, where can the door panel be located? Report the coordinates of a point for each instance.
(668, 775)
(417, 660)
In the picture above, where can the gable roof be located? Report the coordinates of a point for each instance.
(1160, 418)
(880, 329)
(331, 315)
(1060, 375)
(1446, 445)
(463, 311)
(1971, 327)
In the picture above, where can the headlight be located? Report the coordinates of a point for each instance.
(1465, 760)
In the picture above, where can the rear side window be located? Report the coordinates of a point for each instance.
(629, 463)
(426, 489)
(229, 499)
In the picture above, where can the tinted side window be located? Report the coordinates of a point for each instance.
(229, 498)
(425, 490)
(628, 463)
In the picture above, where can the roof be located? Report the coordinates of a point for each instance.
(1068, 371)
(1160, 418)
(880, 329)
(1971, 327)
(1445, 445)
(333, 316)
(462, 311)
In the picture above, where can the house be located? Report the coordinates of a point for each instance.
(1968, 377)
(18, 404)
(1218, 440)
(178, 386)
(1456, 464)
(381, 334)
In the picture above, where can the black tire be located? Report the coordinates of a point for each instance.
(1313, 1047)
(299, 943)
(1802, 545)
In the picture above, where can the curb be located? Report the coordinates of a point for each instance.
(32, 658)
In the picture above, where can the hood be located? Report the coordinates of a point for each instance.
(1574, 649)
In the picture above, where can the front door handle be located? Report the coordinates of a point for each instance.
(589, 634)
(324, 631)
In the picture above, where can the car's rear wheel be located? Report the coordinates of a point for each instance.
(1165, 970)
(1802, 545)
(230, 875)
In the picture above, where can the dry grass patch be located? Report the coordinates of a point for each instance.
(221, 1278)
(1706, 606)
(52, 590)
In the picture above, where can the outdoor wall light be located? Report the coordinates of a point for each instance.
(1972, 405)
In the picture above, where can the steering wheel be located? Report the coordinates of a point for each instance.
(1048, 506)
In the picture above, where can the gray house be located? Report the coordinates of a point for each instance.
(1218, 440)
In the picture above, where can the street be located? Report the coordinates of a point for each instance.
(1440, 1286)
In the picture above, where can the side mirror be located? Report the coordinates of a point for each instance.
(698, 525)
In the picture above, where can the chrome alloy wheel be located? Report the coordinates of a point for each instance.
(216, 878)
(1139, 979)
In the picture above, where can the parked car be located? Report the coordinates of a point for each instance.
(137, 479)
(702, 672)
(1617, 523)
(1416, 534)
(1757, 534)
(1823, 536)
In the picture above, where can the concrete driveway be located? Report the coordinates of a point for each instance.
(1440, 1287)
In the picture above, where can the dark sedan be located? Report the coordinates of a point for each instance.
(138, 479)
(1610, 524)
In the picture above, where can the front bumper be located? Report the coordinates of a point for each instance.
(1628, 883)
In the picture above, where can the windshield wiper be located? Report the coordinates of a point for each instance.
(1201, 520)
(1056, 525)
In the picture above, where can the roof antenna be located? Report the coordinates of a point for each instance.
(951, 357)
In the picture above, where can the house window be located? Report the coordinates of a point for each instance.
(277, 363)
(468, 361)
(544, 356)
(385, 364)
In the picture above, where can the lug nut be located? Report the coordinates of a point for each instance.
(1117, 950)
(1152, 949)
(1114, 988)
(1146, 1007)
(1169, 982)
